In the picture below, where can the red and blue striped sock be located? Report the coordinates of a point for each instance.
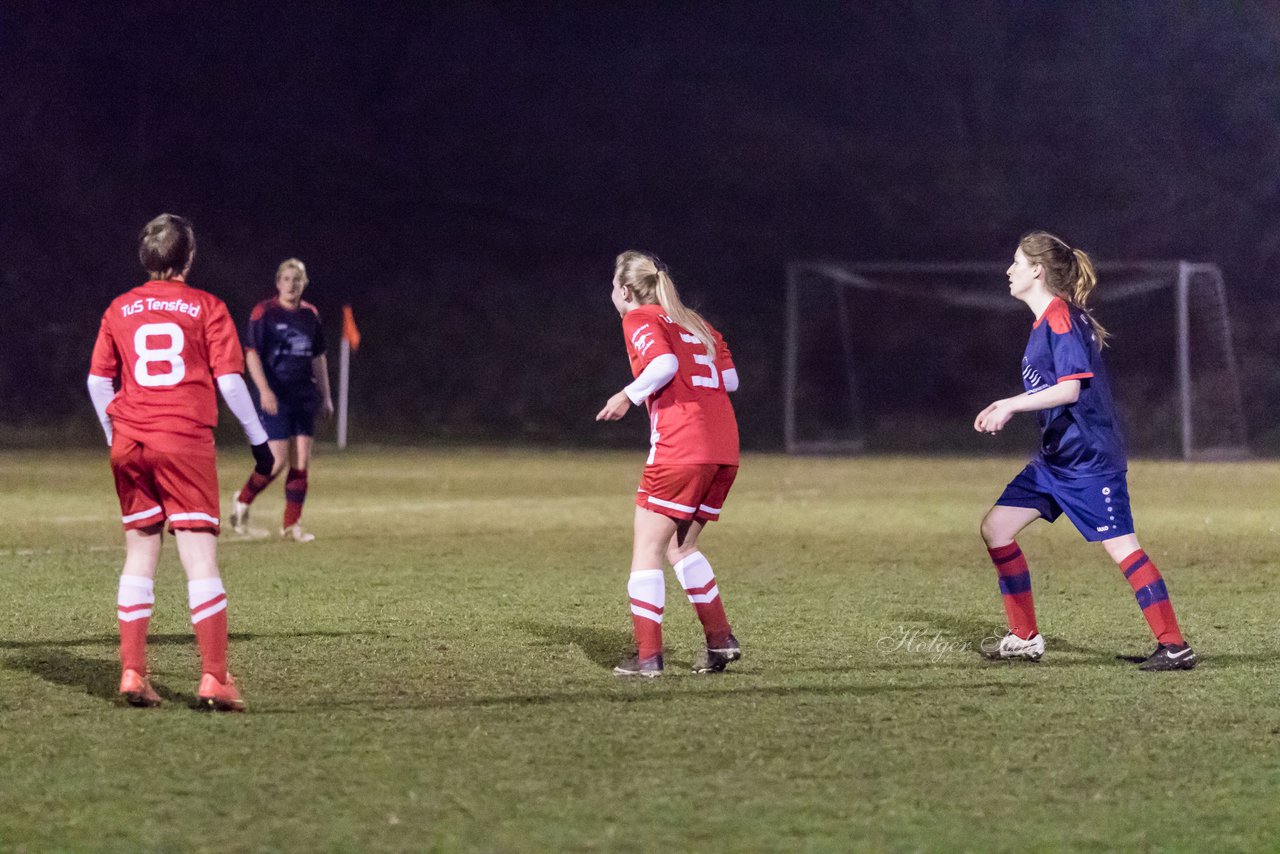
(1015, 588)
(255, 484)
(295, 493)
(1153, 598)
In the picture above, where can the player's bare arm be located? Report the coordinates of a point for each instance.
(253, 362)
(320, 370)
(997, 414)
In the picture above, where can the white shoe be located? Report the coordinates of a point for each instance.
(239, 515)
(294, 532)
(1012, 646)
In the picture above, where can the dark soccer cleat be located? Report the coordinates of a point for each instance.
(649, 668)
(1170, 657)
(715, 658)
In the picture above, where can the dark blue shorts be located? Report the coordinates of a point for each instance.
(1097, 506)
(290, 420)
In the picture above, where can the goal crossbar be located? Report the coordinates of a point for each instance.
(1142, 277)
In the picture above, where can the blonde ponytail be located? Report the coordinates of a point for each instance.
(682, 314)
(647, 278)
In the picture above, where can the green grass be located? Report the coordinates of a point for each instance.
(433, 672)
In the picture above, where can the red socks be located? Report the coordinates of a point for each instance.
(133, 612)
(1139, 571)
(1153, 598)
(648, 592)
(1015, 588)
(208, 602)
(255, 484)
(295, 493)
(699, 583)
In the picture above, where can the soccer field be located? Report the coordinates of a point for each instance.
(433, 673)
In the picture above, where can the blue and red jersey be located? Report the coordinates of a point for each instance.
(1083, 439)
(286, 340)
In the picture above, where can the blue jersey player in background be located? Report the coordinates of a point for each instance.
(285, 357)
(1080, 469)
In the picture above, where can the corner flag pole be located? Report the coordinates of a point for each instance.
(350, 342)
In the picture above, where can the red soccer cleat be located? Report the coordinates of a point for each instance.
(137, 691)
(219, 696)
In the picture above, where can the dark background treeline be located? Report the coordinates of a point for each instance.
(463, 174)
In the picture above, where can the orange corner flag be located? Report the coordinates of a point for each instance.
(349, 330)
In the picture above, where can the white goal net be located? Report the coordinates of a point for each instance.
(900, 357)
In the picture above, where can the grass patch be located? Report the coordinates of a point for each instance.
(433, 671)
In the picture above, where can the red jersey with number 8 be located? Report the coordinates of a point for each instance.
(165, 342)
(691, 420)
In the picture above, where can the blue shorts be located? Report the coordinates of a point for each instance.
(1097, 506)
(290, 420)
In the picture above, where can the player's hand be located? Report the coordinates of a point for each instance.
(263, 460)
(270, 404)
(993, 419)
(326, 408)
(615, 408)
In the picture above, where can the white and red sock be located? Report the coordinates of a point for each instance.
(648, 592)
(208, 602)
(134, 602)
(699, 583)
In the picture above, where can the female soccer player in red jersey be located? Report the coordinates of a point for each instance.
(164, 344)
(285, 357)
(683, 372)
(1080, 469)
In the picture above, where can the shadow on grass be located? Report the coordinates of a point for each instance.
(644, 691)
(96, 677)
(982, 633)
(181, 639)
(975, 630)
(605, 647)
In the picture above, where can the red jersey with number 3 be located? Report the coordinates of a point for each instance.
(691, 420)
(165, 342)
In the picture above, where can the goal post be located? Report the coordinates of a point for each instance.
(899, 356)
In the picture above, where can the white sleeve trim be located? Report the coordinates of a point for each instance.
(730, 378)
(236, 394)
(655, 375)
(102, 390)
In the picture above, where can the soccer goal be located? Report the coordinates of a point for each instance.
(901, 357)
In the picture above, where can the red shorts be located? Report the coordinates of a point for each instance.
(686, 492)
(157, 485)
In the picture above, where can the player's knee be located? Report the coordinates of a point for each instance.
(1121, 547)
(675, 553)
(993, 533)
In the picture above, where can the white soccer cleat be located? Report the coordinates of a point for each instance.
(294, 532)
(1012, 646)
(239, 515)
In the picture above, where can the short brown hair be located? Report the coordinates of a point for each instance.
(166, 246)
